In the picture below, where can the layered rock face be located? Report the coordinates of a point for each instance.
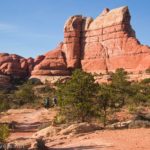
(109, 42)
(72, 41)
(97, 46)
(52, 64)
(103, 40)
(13, 66)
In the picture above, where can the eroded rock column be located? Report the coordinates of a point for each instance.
(72, 45)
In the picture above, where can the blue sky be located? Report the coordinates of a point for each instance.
(33, 27)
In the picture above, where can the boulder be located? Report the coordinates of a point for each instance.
(47, 132)
(80, 128)
(19, 145)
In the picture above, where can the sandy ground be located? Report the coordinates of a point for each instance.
(28, 121)
(131, 139)
(128, 139)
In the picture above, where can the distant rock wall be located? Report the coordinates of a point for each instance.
(13, 66)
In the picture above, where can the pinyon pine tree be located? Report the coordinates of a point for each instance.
(76, 96)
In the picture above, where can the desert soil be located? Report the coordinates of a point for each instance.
(132, 139)
(29, 120)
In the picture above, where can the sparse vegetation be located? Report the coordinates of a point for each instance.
(4, 101)
(76, 96)
(4, 133)
(59, 119)
(30, 94)
(25, 94)
(80, 98)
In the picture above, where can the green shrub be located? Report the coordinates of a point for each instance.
(25, 94)
(107, 102)
(140, 93)
(112, 96)
(4, 105)
(4, 133)
(59, 119)
(132, 108)
(76, 96)
(146, 81)
(4, 101)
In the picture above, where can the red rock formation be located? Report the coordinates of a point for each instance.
(53, 64)
(99, 45)
(31, 64)
(13, 65)
(72, 41)
(38, 59)
(109, 43)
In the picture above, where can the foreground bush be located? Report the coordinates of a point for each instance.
(4, 133)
